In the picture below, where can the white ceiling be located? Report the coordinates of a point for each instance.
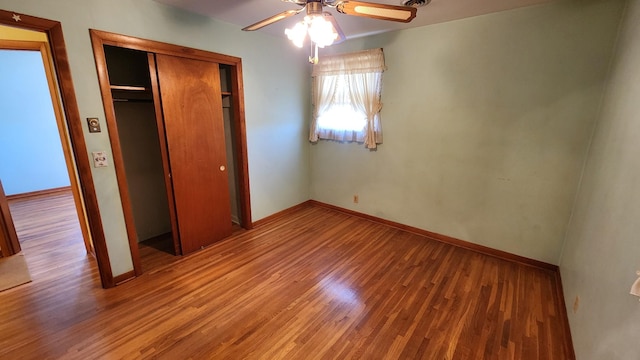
(246, 12)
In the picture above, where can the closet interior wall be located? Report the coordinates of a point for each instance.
(138, 134)
(230, 144)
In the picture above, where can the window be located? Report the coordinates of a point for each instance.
(346, 98)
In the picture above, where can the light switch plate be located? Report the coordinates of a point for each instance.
(99, 159)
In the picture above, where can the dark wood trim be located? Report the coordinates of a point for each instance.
(283, 213)
(122, 278)
(53, 29)
(158, 47)
(568, 340)
(21, 45)
(446, 239)
(116, 150)
(240, 134)
(164, 153)
(26, 21)
(44, 192)
(9, 243)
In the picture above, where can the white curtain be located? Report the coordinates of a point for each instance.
(346, 98)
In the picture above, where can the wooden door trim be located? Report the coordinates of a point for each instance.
(157, 47)
(116, 151)
(43, 48)
(22, 45)
(9, 244)
(47, 60)
(57, 45)
(240, 141)
(155, 91)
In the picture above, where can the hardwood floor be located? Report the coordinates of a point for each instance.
(50, 236)
(157, 252)
(315, 284)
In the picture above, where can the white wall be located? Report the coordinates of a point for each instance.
(602, 250)
(275, 85)
(486, 124)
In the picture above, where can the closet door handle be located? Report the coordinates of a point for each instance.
(222, 168)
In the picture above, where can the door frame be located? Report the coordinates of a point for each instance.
(9, 244)
(42, 48)
(67, 97)
(98, 40)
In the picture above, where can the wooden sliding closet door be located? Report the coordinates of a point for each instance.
(192, 109)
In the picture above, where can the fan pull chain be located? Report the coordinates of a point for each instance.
(313, 58)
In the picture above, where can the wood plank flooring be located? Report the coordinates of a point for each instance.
(315, 284)
(50, 236)
(157, 252)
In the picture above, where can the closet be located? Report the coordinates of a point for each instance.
(175, 118)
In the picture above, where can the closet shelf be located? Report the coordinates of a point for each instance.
(128, 88)
(226, 93)
(131, 93)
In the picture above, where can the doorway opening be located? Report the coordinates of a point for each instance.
(37, 170)
(71, 133)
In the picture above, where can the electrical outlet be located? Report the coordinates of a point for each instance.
(576, 304)
(355, 199)
(99, 159)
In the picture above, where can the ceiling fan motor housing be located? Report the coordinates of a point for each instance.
(415, 3)
(314, 7)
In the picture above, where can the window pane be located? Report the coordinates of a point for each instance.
(342, 117)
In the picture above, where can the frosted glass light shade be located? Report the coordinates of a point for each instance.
(297, 34)
(321, 32)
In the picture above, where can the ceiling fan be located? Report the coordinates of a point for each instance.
(322, 27)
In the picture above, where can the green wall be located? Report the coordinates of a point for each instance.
(275, 83)
(486, 125)
(602, 251)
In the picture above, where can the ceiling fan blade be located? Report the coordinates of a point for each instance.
(275, 18)
(377, 11)
(297, 2)
(330, 18)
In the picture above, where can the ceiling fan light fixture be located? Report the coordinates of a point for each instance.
(321, 31)
(322, 27)
(297, 34)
